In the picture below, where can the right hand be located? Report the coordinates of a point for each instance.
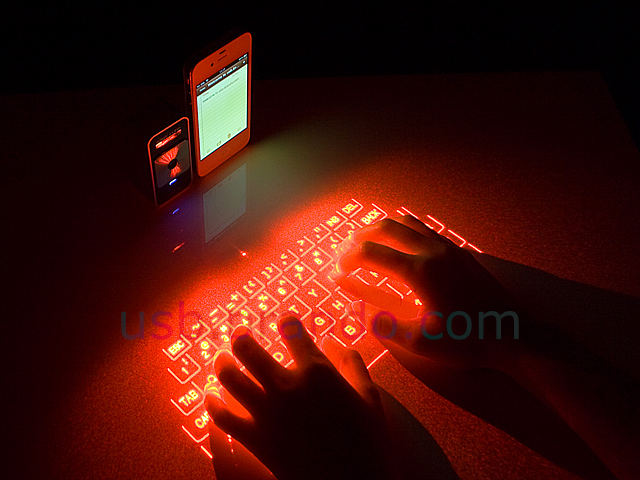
(445, 278)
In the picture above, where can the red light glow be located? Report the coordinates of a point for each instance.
(376, 359)
(168, 138)
(167, 157)
(287, 273)
(438, 227)
(206, 452)
(457, 238)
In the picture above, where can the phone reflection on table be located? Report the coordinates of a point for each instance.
(225, 203)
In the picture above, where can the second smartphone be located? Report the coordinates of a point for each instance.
(218, 88)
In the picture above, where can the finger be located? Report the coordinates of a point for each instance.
(298, 341)
(224, 461)
(353, 368)
(259, 363)
(333, 350)
(223, 458)
(401, 307)
(376, 257)
(414, 223)
(243, 389)
(231, 460)
(417, 225)
(233, 405)
(386, 327)
(389, 232)
(243, 429)
(463, 252)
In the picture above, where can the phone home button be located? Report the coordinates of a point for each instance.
(225, 151)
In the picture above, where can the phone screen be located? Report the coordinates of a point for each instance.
(170, 160)
(222, 102)
(171, 163)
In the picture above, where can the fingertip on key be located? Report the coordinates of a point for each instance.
(221, 359)
(213, 402)
(241, 331)
(336, 274)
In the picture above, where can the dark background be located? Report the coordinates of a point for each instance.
(48, 47)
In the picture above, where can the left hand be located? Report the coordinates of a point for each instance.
(314, 421)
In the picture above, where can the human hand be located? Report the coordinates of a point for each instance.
(231, 460)
(445, 278)
(313, 421)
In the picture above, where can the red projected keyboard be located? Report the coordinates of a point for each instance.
(295, 280)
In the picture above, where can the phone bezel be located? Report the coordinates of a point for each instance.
(164, 194)
(204, 68)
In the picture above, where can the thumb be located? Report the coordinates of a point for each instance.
(385, 326)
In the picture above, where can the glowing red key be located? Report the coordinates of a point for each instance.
(243, 316)
(235, 301)
(252, 287)
(221, 334)
(281, 289)
(280, 353)
(295, 307)
(188, 400)
(270, 273)
(196, 425)
(177, 348)
(184, 368)
(317, 259)
(455, 238)
(330, 244)
(374, 215)
(334, 307)
(335, 220)
(263, 304)
(286, 260)
(217, 315)
(349, 330)
(303, 245)
(206, 381)
(351, 208)
(369, 278)
(300, 274)
(318, 323)
(268, 327)
(347, 228)
(313, 293)
(433, 224)
(204, 351)
(194, 330)
(319, 233)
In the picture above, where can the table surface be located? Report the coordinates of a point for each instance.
(534, 168)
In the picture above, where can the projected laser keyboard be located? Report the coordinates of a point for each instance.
(295, 281)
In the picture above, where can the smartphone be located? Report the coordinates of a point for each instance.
(170, 161)
(218, 91)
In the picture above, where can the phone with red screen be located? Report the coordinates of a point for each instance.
(170, 161)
